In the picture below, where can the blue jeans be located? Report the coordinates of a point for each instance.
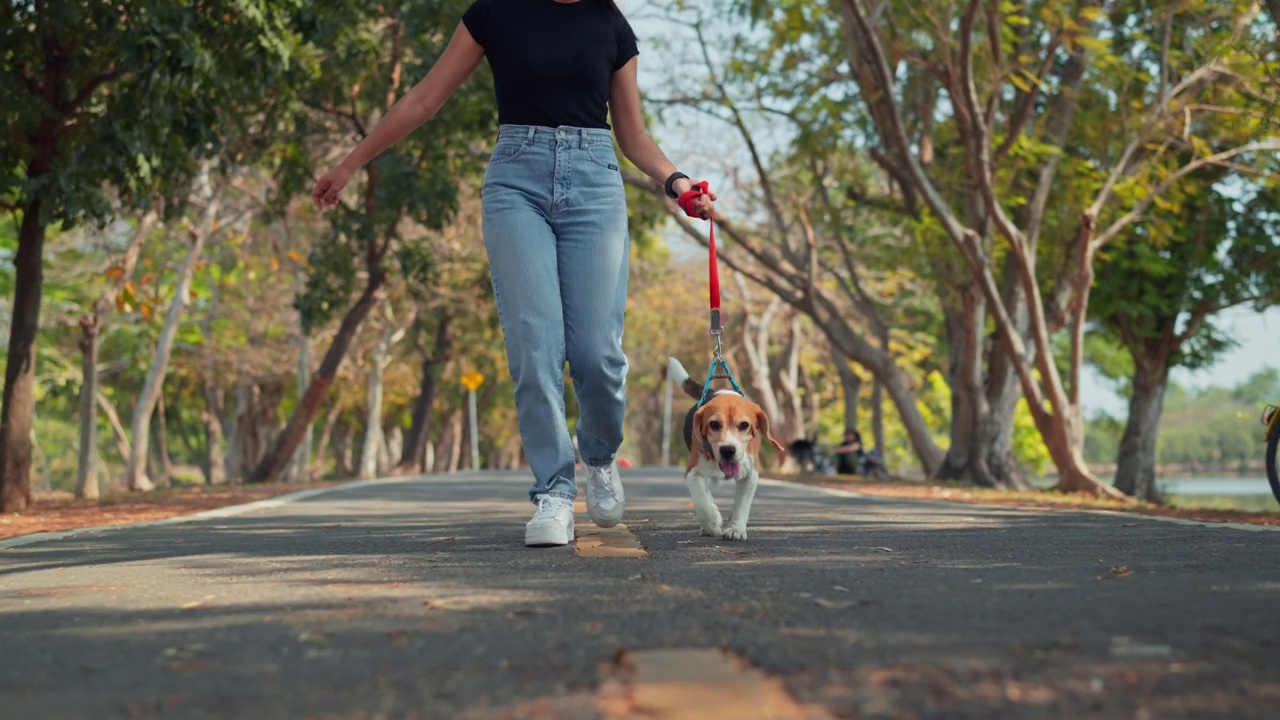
(555, 228)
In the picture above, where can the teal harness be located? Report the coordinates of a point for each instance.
(717, 361)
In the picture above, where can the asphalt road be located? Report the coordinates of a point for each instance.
(417, 599)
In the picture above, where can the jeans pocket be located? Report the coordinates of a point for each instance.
(605, 158)
(507, 150)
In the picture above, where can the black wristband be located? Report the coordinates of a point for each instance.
(671, 181)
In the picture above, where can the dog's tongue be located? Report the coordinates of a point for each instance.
(730, 469)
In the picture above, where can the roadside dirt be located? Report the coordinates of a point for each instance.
(59, 511)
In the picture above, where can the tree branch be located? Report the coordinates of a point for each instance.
(87, 91)
(1134, 213)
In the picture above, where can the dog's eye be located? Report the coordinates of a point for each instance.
(744, 426)
(715, 425)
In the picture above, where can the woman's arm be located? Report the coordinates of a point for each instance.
(636, 145)
(460, 59)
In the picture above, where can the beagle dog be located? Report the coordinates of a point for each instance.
(724, 438)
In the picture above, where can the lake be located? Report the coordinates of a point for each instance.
(1251, 493)
(1220, 493)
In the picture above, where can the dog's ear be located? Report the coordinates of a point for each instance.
(762, 422)
(697, 442)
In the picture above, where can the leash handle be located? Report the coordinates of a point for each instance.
(686, 202)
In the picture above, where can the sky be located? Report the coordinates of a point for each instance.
(703, 149)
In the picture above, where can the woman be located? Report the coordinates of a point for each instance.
(554, 223)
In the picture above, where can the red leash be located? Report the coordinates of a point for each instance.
(686, 203)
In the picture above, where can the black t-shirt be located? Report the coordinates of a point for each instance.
(552, 62)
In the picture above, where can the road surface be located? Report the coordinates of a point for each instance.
(417, 599)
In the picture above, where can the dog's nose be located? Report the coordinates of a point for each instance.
(728, 452)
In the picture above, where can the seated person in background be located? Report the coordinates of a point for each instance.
(851, 458)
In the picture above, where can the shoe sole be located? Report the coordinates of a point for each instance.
(547, 537)
(605, 522)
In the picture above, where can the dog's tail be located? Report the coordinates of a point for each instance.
(680, 376)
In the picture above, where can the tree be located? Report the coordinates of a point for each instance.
(211, 190)
(92, 327)
(129, 94)
(1164, 284)
(1012, 75)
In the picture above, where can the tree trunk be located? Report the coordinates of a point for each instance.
(235, 467)
(372, 423)
(300, 470)
(977, 422)
(413, 457)
(117, 427)
(755, 344)
(1136, 463)
(300, 467)
(326, 434)
(18, 410)
(375, 442)
(342, 452)
(162, 441)
(86, 468)
(450, 446)
(215, 462)
(851, 387)
(789, 380)
(392, 447)
(877, 401)
(286, 442)
(260, 421)
(135, 472)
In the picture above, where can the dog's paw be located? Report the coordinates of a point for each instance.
(712, 532)
(734, 534)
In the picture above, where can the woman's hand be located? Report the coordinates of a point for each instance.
(329, 187)
(702, 206)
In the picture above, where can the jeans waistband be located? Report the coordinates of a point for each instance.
(563, 134)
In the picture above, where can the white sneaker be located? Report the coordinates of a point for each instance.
(605, 500)
(552, 522)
